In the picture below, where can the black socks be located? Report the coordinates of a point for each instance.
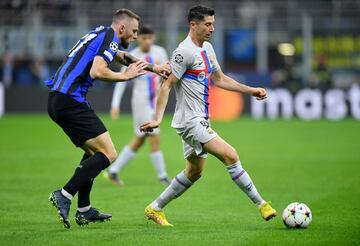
(85, 174)
(84, 191)
(84, 195)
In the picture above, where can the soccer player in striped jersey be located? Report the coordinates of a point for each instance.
(192, 63)
(68, 107)
(143, 108)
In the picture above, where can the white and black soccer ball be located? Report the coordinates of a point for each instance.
(297, 215)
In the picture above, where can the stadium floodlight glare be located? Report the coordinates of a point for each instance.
(286, 49)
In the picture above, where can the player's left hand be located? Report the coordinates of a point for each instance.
(259, 93)
(149, 126)
(163, 70)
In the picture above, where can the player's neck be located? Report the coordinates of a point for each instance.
(115, 30)
(196, 40)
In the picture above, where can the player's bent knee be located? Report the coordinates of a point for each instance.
(231, 157)
(111, 155)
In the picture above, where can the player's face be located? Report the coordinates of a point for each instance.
(130, 30)
(205, 28)
(145, 41)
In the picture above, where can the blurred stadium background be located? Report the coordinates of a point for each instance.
(307, 52)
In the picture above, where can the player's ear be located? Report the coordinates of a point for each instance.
(122, 28)
(193, 23)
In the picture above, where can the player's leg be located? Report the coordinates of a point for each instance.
(84, 191)
(157, 159)
(85, 213)
(182, 182)
(126, 155)
(82, 179)
(228, 155)
(102, 152)
(85, 130)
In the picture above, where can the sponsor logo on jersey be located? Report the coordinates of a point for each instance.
(199, 63)
(201, 76)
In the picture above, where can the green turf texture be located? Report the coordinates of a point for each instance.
(316, 162)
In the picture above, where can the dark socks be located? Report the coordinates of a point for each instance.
(86, 172)
(84, 191)
(84, 195)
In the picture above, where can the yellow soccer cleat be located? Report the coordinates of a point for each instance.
(267, 212)
(157, 216)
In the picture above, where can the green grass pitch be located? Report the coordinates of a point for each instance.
(317, 163)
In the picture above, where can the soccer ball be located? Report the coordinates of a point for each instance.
(297, 215)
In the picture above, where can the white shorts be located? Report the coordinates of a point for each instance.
(140, 116)
(197, 133)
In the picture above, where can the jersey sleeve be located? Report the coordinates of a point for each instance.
(216, 66)
(181, 60)
(109, 46)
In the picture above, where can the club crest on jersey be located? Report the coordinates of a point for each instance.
(201, 76)
(113, 46)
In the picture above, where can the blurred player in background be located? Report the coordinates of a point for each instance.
(143, 108)
(192, 63)
(68, 107)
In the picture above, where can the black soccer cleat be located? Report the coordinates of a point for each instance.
(62, 205)
(92, 215)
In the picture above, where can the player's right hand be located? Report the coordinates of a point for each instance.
(149, 126)
(259, 93)
(136, 69)
(114, 113)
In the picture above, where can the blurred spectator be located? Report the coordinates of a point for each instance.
(7, 70)
(286, 77)
(23, 75)
(14, 4)
(321, 77)
(40, 71)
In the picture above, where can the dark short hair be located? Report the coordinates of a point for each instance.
(198, 13)
(121, 13)
(145, 29)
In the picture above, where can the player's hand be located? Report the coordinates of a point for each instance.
(136, 69)
(149, 126)
(259, 93)
(114, 113)
(163, 70)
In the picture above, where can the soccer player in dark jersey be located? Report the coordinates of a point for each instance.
(67, 106)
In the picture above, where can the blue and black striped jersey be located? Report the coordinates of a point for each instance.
(73, 76)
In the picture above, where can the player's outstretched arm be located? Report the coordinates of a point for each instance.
(100, 70)
(161, 103)
(125, 58)
(225, 82)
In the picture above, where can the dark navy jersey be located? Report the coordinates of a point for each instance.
(73, 76)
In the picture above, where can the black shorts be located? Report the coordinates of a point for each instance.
(78, 120)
